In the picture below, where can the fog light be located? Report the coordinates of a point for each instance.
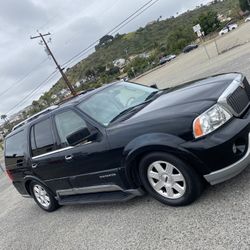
(239, 147)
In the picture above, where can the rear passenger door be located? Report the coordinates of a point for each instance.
(46, 164)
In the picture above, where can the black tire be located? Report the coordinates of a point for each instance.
(53, 204)
(192, 183)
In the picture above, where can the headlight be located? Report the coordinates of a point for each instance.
(210, 120)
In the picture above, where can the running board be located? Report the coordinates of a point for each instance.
(102, 197)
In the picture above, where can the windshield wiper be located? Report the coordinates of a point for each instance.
(126, 111)
(131, 109)
(152, 95)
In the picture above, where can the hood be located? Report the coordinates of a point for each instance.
(189, 98)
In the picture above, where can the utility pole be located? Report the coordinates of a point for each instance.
(73, 92)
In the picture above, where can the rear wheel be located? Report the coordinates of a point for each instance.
(169, 180)
(43, 197)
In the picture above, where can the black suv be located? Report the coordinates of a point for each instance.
(118, 141)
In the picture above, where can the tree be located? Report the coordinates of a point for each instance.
(244, 5)
(137, 66)
(47, 98)
(114, 71)
(105, 39)
(90, 74)
(209, 22)
(179, 38)
(4, 117)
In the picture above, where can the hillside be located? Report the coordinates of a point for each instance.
(160, 38)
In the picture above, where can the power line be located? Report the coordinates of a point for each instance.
(34, 91)
(18, 82)
(113, 30)
(89, 48)
(136, 16)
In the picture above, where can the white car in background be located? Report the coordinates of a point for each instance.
(247, 19)
(228, 28)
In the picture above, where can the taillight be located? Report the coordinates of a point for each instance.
(9, 175)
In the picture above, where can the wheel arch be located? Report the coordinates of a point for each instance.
(138, 148)
(28, 179)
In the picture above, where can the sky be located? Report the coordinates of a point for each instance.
(73, 24)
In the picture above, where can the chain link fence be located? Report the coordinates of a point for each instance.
(229, 41)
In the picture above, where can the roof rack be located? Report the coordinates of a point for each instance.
(35, 116)
(72, 97)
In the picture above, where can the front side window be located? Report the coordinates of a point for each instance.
(105, 105)
(42, 139)
(68, 123)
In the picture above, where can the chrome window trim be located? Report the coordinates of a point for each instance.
(52, 152)
(59, 150)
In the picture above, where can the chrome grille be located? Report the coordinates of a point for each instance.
(239, 99)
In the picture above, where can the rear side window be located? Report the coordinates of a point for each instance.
(15, 147)
(41, 138)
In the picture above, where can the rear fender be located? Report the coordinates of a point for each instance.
(29, 178)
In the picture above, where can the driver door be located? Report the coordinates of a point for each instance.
(87, 159)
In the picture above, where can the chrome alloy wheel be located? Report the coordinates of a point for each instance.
(166, 179)
(41, 195)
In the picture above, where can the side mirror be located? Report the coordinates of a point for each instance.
(79, 136)
(154, 86)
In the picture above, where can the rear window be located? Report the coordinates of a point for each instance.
(14, 148)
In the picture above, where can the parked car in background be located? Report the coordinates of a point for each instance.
(166, 59)
(115, 142)
(190, 48)
(247, 19)
(162, 61)
(228, 28)
(170, 57)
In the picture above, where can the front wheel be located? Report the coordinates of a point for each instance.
(169, 179)
(43, 197)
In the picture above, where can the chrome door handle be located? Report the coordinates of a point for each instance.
(68, 157)
(34, 165)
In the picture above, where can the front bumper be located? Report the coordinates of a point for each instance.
(218, 159)
(231, 170)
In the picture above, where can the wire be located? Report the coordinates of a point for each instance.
(33, 92)
(114, 29)
(136, 16)
(18, 82)
(89, 48)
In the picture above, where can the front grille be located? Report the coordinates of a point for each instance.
(247, 87)
(239, 99)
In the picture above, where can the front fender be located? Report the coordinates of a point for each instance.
(153, 142)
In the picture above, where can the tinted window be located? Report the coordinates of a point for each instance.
(68, 123)
(42, 140)
(14, 148)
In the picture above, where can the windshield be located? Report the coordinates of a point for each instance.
(105, 105)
